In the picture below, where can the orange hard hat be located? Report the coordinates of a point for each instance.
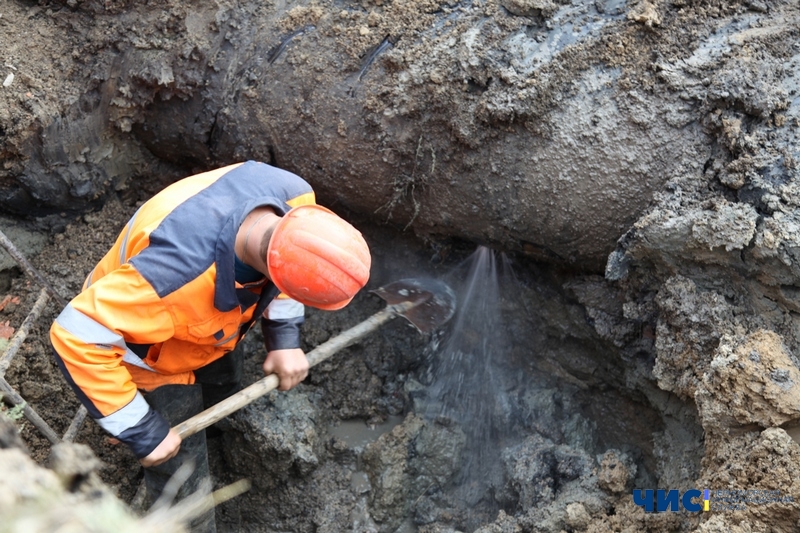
(317, 258)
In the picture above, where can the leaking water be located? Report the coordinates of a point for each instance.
(466, 378)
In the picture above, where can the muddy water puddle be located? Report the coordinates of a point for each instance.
(357, 434)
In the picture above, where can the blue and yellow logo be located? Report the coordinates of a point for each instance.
(695, 500)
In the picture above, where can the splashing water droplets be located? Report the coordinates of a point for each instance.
(464, 385)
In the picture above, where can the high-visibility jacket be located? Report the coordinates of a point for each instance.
(164, 301)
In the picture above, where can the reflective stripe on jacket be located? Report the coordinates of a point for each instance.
(164, 302)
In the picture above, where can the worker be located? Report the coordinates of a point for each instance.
(150, 340)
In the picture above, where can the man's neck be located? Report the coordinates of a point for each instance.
(248, 238)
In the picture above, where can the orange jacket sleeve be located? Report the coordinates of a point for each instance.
(89, 340)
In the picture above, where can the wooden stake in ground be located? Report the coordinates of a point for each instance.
(29, 270)
(8, 392)
(19, 337)
(22, 333)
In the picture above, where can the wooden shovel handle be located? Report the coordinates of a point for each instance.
(261, 387)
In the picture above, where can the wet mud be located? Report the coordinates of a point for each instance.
(634, 162)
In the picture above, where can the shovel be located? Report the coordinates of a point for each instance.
(427, 304)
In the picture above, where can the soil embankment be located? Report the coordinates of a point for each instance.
(638, 160)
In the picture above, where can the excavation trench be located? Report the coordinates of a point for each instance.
(491, 413)
(633, 165)
(515, 408)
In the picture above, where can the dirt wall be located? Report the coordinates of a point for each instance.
(650, 147)
(544, 128)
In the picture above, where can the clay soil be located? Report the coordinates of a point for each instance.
(685, 349)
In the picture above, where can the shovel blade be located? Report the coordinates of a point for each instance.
(435, 301)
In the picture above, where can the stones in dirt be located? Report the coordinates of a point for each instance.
(763, 462)
(541, 472)
(617, 471)
(750, 380)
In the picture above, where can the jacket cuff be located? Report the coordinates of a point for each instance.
(146, 435)
(281, 334)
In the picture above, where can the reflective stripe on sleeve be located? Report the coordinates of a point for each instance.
(127, 417)
(133, 359)
(90, 331)
(123, 248)
(281, 309)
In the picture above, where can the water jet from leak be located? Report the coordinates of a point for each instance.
(466, 377)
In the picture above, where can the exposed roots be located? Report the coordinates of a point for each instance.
(405, 185)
